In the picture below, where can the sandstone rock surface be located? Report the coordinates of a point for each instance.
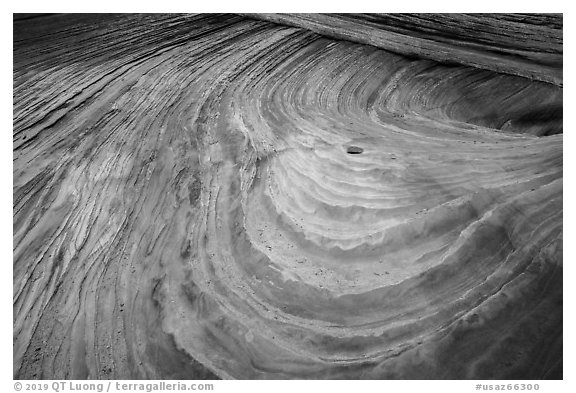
(213, 196)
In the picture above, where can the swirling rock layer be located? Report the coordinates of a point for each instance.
(518, 44)
(210, 196)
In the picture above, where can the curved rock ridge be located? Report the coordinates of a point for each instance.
(210, 196)
(529, 45)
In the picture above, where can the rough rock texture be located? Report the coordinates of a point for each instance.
(210, 196)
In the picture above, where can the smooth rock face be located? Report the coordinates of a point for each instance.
(211, 196)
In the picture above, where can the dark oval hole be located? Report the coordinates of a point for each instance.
(354, 150)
